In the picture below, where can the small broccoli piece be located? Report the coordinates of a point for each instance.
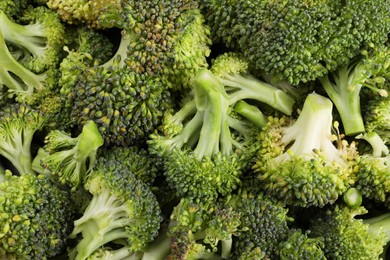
(18, 124)
(202, 230)
(264, 224)
(68, 158)
(347, 237)
(232, 71)
(299, 246)
(136, 160)
(377, 116)
(373, 175)
(344, 85)
(38, 50)
(202, 146)
(299, 40)
(101, 14)
(13, 8)
(36, 217)
(298, 161)
(123, 211)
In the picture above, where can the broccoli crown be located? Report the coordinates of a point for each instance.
(18, 124)
(68, 158)
(264, 224)
(36, 217)
(299, 246)
(136, 160)
(200, 144)
(297, 160)
(123, 210)
(232, 70)
(12, 8)
(101, 14)
(126, 106)
(373, 178)
(346, 237)
(377, 116)
(300, 40)
(202, 230)
(30, 50)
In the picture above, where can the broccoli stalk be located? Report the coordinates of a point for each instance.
(344, 85)
(233, 73)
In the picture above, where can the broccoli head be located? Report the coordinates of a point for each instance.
(202, 145)
(123, 210)
(298, 161)
(36, 217)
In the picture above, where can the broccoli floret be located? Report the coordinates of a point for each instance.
(13, 8)
(298, 161)
(28, 68)
(298, 40)
(232, 71)
(18, 124)
(100, 14)
(137, 160)
(299, 246)
(36, 217)
(69, 158)
(377, 116)
(264, 224)
(344, 85)
(202, 230)
(123, 211)
(202, 145)
(348, 237)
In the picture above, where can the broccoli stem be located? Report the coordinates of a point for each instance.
(101, 223)
(14, 76)
(249, 87)
(251, 113)
(345, 94)
(215, 133)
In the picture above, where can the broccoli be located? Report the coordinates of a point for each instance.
(348, 237)
(233, 72)
(68, 158)
(18, 124)
(28, 66)
(299, 246)
(203, 147)
(264, 224)
(298, 161)
(100, 14)
(296, 40)
(344, 85)
(123, 210)
(202, 230)
(13, 8)
(377, 117)
(36, 217)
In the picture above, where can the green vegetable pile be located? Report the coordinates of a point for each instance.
(194, 129)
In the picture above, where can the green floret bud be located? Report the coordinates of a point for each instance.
(99, 14)
(12, 8)
(298, 161)
(377, 117)
(232, 71)
(347, 237)
(123, 211)
(36, 217)
(18, 124)
(300, 246)
(70, 159)
(264, 224)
